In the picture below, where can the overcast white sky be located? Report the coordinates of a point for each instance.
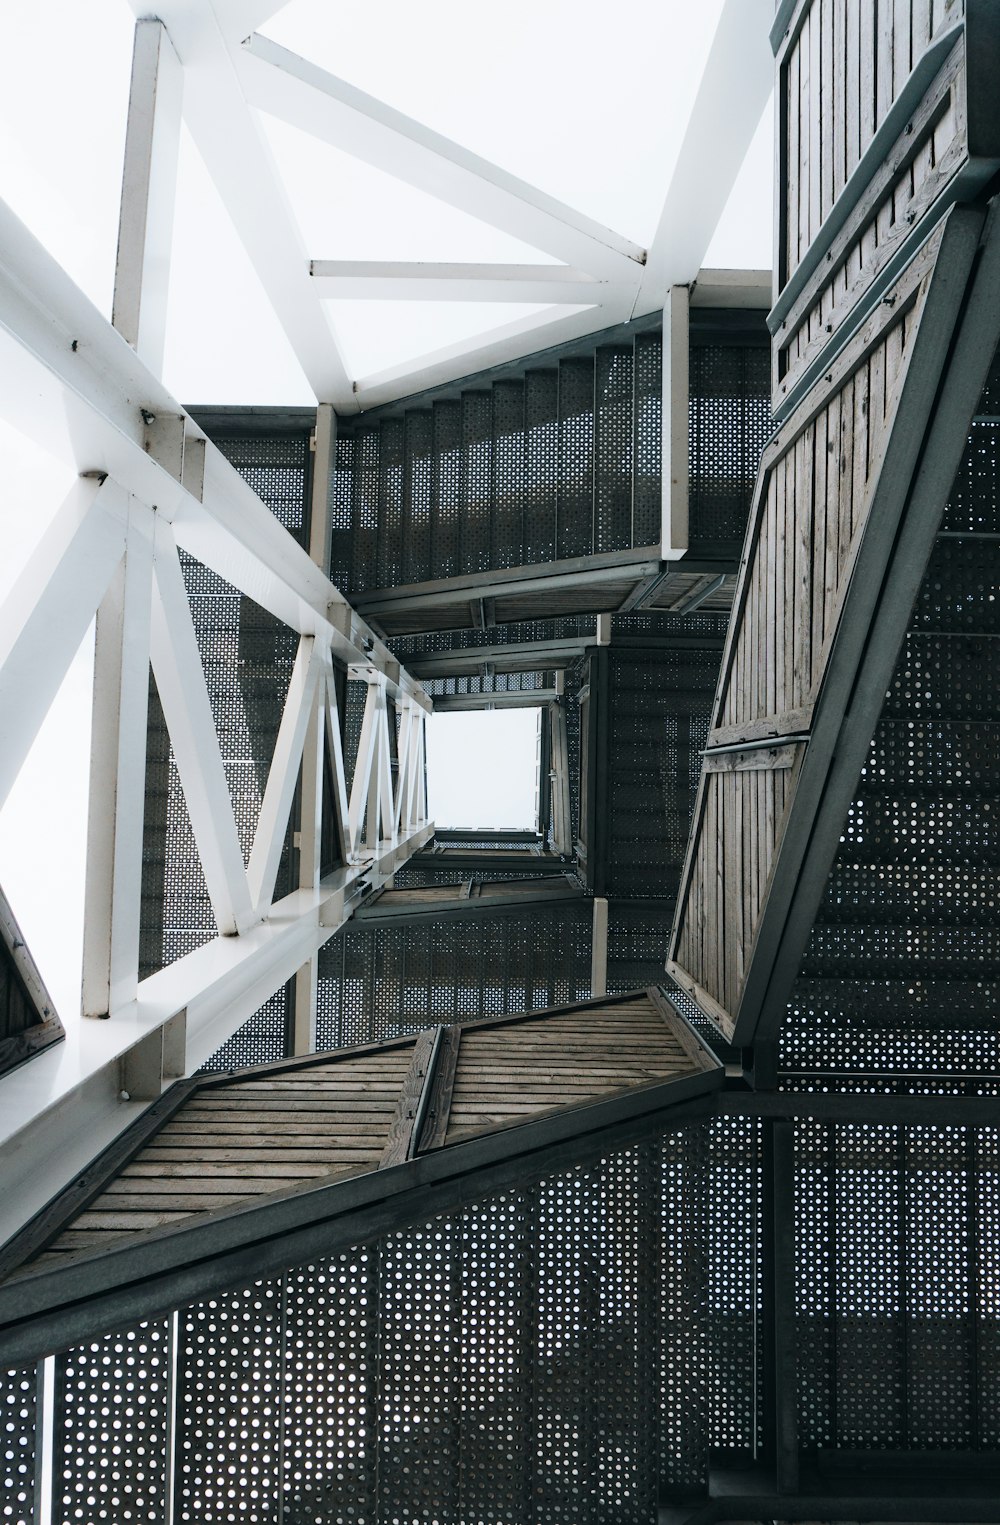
(592, 113)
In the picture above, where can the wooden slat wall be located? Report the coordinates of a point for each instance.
(930, 150)
(810, 513)
(743, 812)
(816, 486)
(845, 66)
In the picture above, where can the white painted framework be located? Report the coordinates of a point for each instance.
(150, 486)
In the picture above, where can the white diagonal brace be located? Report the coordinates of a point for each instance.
(508, 341)
(46, 615)
(232, 143)
(311, 792)
(364, 781)
(384, 817)
(118, 778)
(418, 788)
(276, 805)
(417, 281)
(735, 87)
(407, 741)
(145, 229)
(301, 93)
(335, 753)
(180, 681)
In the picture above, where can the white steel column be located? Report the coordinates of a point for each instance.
(118, 777)
(599, 949)
(676, 390)
(149, 181)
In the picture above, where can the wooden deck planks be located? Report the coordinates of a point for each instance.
(514, 1073)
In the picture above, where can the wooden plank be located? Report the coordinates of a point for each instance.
(830, 71)
(180, 1200)
(815, 117)
(694, 1050)
(288, 1132)
(839, 52)
(790, 723)
(128, 1221)
(734, 887)
(164, 1164)
(400, 1140)
(866, 74)
(236, 1106)
(852, 86)
(803, 52)
(791, 187)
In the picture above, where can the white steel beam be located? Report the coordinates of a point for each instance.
(231, 141)
(735, 87)
(46, 615)
(412, 281)
(145, 229)
(306, 96)
(180, 682)
(113, 896)
(70, 381)
(272, 823)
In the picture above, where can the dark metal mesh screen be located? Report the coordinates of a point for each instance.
(897, 1250)
(729, 424)
(19, 1423)
(735, 1293)
(263, 1038)
(660, 704)
(495, 1364)
(381, 982)
(112, 1420)
(562, 462)
(900, 972)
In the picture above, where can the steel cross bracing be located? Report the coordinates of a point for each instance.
(209, 62)
(150, 486)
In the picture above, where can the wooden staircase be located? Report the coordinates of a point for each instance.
(234, 1174)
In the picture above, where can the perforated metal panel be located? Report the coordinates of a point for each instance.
(19, 1417)
(383, 982)
(331, 1422)
(900, 972)
(682, 1253)
(660, 702)
(417, 509)
(263, 1038)
(735, 1294)
(896, 1245)
(112, 1421)
(647, 505)
(729, 423)
(230, 1408)
(500, 1364)
(613, 446)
